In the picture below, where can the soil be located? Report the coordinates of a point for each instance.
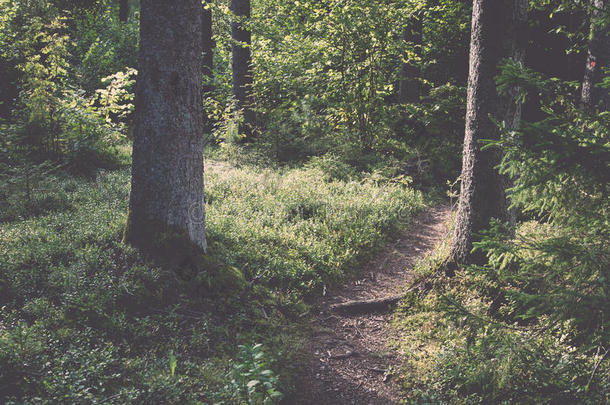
(347, 358)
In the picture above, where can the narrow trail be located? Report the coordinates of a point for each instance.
(348, 359)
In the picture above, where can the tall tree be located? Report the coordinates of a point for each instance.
(208, 44)
(598, 57)
(123, 10)
(242, 63)
(497, 32)
(409, 87)
(167, 170)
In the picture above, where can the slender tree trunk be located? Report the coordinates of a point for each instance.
(208, 47)
(123, 10)
(598, 58)
(242, 64)
(207, 40)
(409, 88)
(515, 46)
(496, 33)
(166, 211)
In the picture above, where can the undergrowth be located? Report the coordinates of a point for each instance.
(459, 353)
(85, 319)
(502, 333)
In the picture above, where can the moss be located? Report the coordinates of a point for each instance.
(171, 248)
(231, 278)
(168, 245)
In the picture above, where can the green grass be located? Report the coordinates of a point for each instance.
(86, 319)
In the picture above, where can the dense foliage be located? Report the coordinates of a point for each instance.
(56, 113)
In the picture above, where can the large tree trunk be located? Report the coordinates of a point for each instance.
(166, 211)
(409, 87)
(123, 10)
(496, 33)
(242, 64)
(598, 58)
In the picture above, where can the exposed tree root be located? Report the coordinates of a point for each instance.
(420, 286)
(367, 306)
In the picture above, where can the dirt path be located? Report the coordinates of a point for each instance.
(348, 359)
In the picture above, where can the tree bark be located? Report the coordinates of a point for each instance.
(166, 208)
(123, 10)
(496, 34)
(409, 88)
(598, 58)
(242, 64)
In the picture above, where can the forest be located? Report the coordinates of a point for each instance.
(305, 202)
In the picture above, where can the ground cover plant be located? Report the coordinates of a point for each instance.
(85, 318)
